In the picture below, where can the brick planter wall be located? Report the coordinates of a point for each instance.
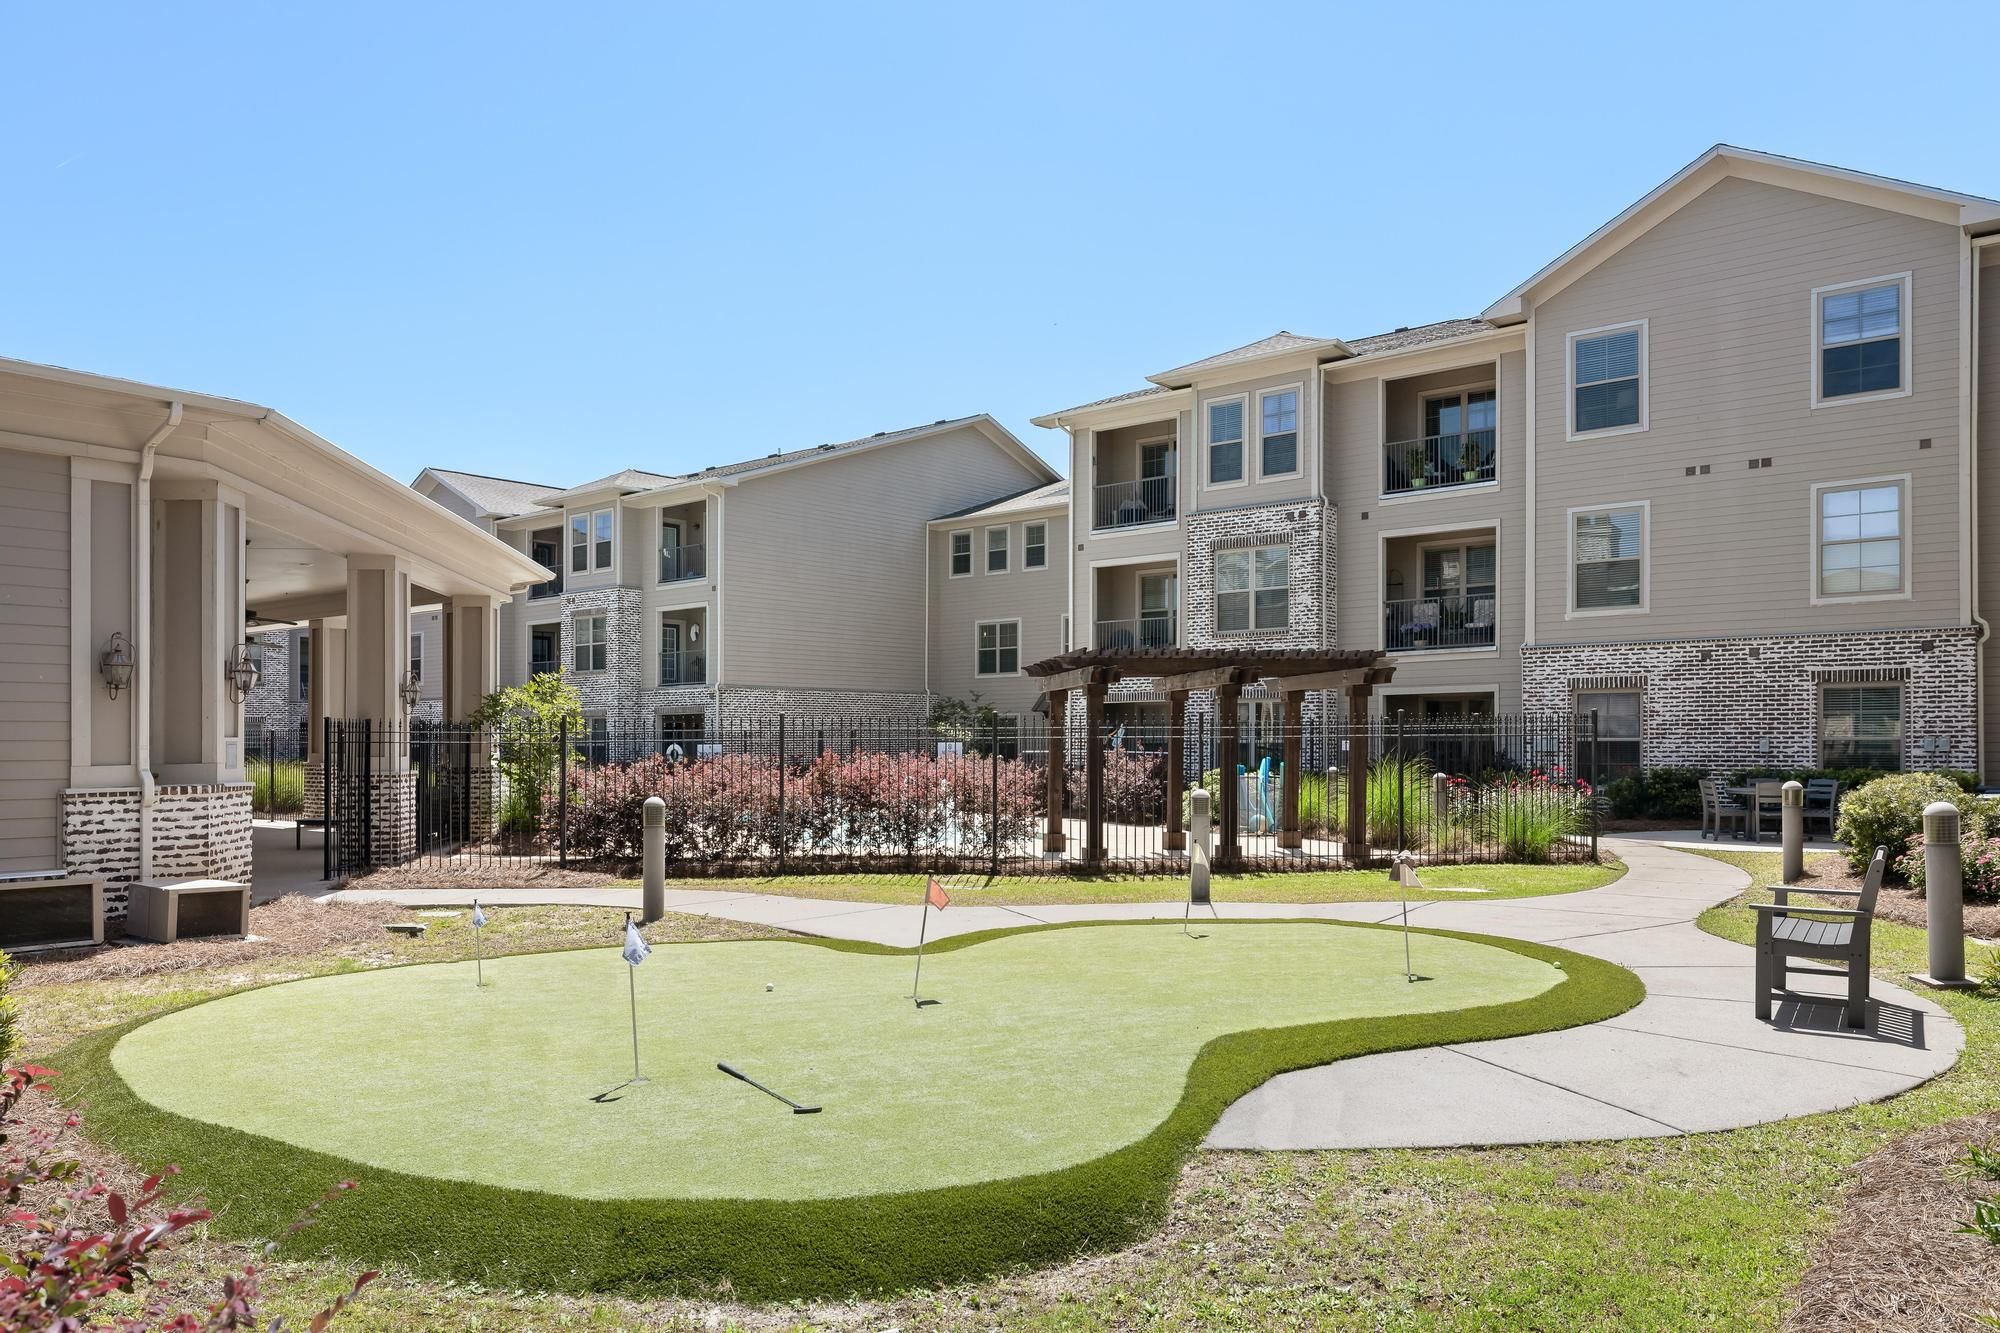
(1723, 704)
(199, 832)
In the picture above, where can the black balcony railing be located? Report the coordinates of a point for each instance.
(1464, 459)
(1155, 631)
(1126, 504)
(685, 667)
(683, 562)
(1420, 624)
(552, 587)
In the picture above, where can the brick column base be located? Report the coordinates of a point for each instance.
(199, 832)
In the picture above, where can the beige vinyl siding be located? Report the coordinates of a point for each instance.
(1355, 433)
(442, 495)
(34, 657)
(430, 624)
(1038, 598)
(1163, 541)
(1726, 287)
(1257, 491)
(824, 565)
(1987, 377)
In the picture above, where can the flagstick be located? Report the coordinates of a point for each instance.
(1403, 893)
(478, 947)
(632, 985)
(923, 923)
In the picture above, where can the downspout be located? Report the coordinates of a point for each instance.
(142, 649)
(1970, 389)
(715, 630)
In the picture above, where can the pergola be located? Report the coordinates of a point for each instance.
(1292, 672)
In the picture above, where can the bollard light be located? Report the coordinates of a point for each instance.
(653, 883)
(1792, 830)
(1944, 898)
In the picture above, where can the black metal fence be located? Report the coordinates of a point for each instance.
(785, 794)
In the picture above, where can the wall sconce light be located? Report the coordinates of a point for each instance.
(411, 689)
(241, 672)
(115, 663)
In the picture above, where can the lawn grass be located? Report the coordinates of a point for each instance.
(1331, 886)
(462, 1231)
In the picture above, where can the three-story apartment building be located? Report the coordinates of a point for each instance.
(1711, 475)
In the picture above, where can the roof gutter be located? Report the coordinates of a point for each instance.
(142, 632)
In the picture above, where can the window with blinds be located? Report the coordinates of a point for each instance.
(961, 554)
(1605, 373)
(1278, 437)
(1861, 726)
(1607, 555)
(1861, 540)
(1614, 751)
(1252, 590)
(1861, 341)
(1225, 442)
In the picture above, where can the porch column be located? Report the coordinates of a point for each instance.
(1356, 847)
(1176, 836)
(1053, 838)
(378, 658)
(1226, 697)
(1093, 774)
(471, 656)
(325, 698)
(1295, 725)
(197, 593)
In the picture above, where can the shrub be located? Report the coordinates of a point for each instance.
(278, 788)
(1978, 859)
(10, 1009)
(1656, 793)
(1889, 811)
(1135, 787)
(1528, 819)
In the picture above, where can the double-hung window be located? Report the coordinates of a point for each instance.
(417, 658)
(305, 660)
(1613, 752)
(1860, 530)
(590, 646)
(1859, 339)
(590, 541)
(1225, 442)
(1252, 590)
(596, 746)
(1861, 726)
(1034, 545)
(961, 554)
(1607, 379)
(998, 648)
(1607, 553)
(1278, 433)
(996, 550)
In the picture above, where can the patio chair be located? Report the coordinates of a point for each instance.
(1767, 804)
(1842, 934)
(1424, 620)
(1822, 801)
(1718, 809)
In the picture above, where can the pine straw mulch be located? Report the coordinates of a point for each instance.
(284, 927)
(473, 873)
(1895, 903)
(1897, 1260)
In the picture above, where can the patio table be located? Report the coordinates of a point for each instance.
(1748, 795)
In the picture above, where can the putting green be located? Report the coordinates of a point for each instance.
(1050, 1048)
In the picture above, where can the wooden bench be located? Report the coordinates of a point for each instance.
(1843, 934)
(299, 830)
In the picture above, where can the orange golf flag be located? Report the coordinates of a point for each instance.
(936, 896)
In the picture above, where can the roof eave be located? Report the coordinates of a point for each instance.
(1187, 376)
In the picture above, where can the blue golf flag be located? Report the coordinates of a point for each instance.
(636, 949)
(478, 915)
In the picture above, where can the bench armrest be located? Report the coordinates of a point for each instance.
(1780, 909)
(1783, 889)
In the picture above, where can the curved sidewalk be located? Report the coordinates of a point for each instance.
(1690, 1057)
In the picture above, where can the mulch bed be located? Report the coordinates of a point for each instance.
(474, 874)
(1896, 903)
(290, 925)
(1897, 1260)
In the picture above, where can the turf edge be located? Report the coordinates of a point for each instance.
(761, 1249)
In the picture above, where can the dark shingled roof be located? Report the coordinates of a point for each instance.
(1259, 662)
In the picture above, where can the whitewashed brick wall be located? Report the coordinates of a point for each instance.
(199, 832)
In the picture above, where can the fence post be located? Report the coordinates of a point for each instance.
(781, 793)
(993, 806)
(368, 793)
(562, 793)
(1596, 771)
(326, 798)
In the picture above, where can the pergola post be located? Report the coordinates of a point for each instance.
(1176, 836)
(1356, 842)
(1053, 839)
(1093, 773)
(1295, 723)
(1226, 696)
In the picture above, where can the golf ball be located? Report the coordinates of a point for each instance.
(770, 985)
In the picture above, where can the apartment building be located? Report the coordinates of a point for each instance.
(1713, 475)
(793, 583)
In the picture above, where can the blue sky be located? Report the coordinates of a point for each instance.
(551, 241)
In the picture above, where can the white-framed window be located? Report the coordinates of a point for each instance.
(960, 544)
(590, 541)
(997, 549)
(1607, 559)
(1278, 433)
(997, 648)
(416, 656)
(590, 647)
(1861, 726)
(1607, 380)
(1619, 715)
(1860, 549)
(1252, 590)
(303, 656)
(1225, 441)
(1861, 342)
(1034, 545)
(595, 744)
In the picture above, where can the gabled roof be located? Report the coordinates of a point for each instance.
(1055, 495)
(493, 497)
(624, 482)
(1726, 160)
(1420, 335)
(1055, 418)
(1282, 343)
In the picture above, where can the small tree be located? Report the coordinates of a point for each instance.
(968, 721)
(529, 719)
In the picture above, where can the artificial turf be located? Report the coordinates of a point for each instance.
(1025, 1151)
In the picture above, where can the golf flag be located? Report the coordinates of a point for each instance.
(478, 945)
(636, 949)
(936, 896)
(478, 914)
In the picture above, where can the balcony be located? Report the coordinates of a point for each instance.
(1431, 624)
(551, 587)
(1436, 462)
(684, 666)
(687, 561)
(1128, 504)
(1148, 631)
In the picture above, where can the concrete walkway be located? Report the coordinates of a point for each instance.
(1691, 1057)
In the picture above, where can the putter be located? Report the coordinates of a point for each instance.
(798, 1108)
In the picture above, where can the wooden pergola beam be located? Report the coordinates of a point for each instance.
(1078, 678)
(1318, 680)
(1210, 678)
